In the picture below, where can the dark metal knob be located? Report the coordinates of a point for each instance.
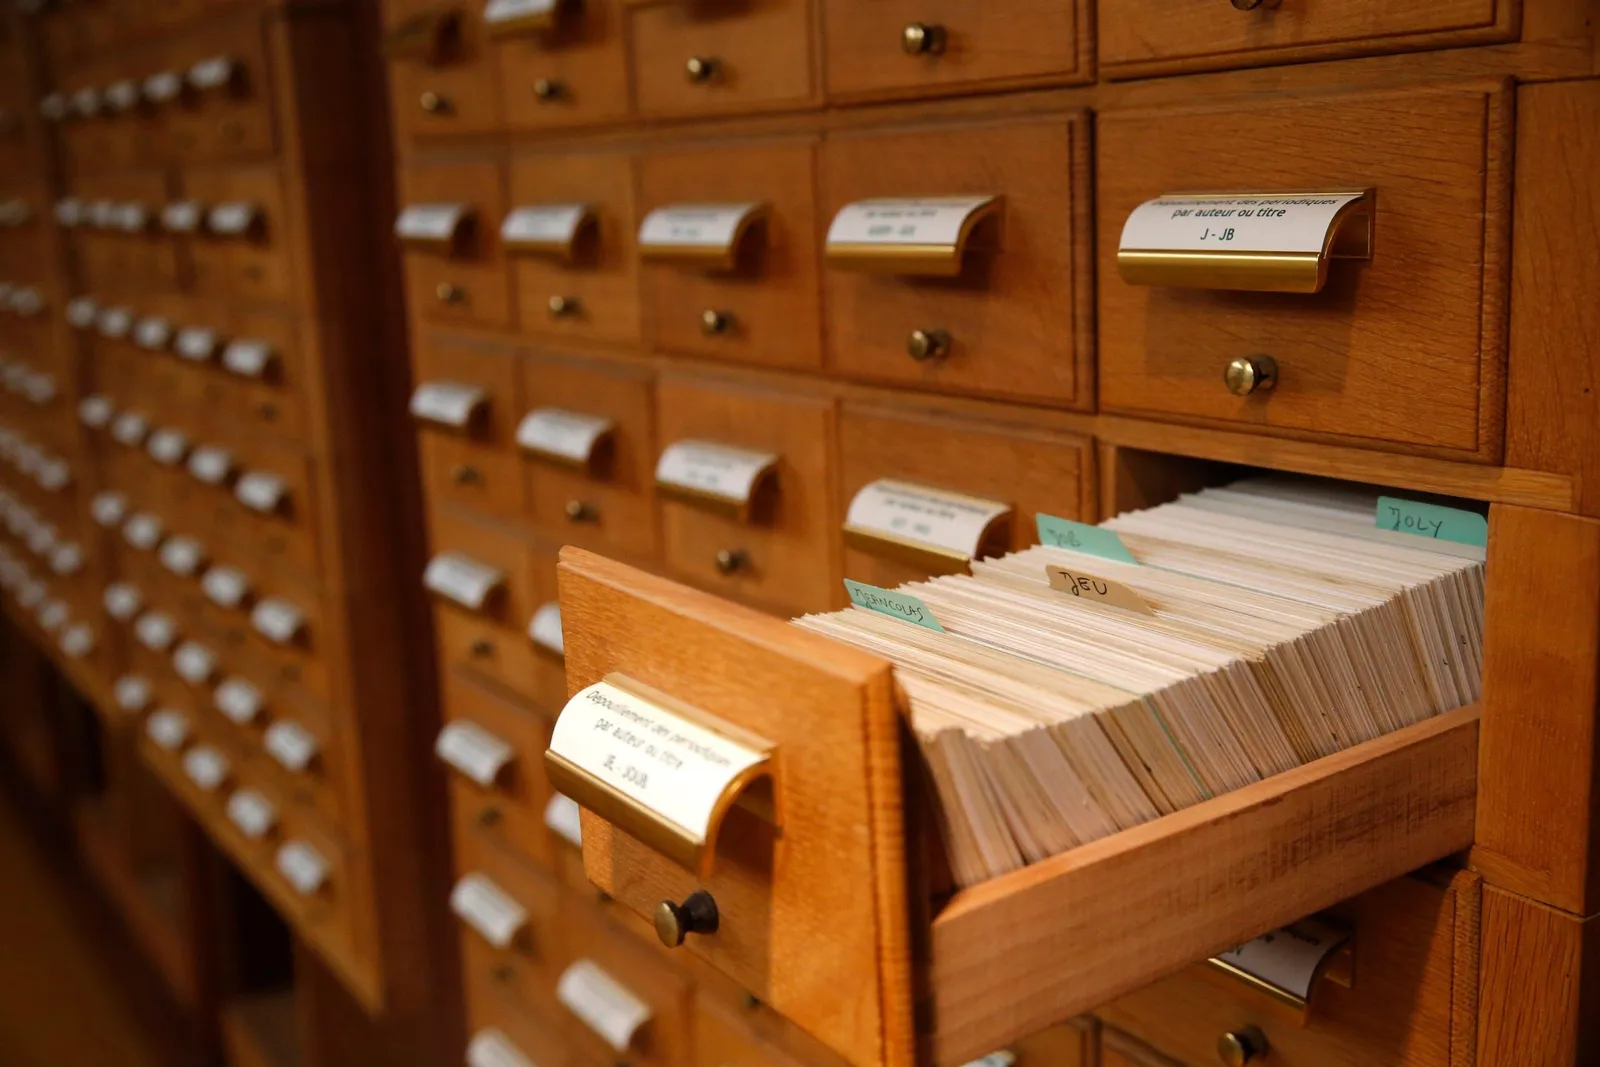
(1245, 376)
(730, 560)
(581, 511)
(924, 345)
(548, 89)
(701, 68)
(465, 474)
(435, 103)
(696, 915)
(1241, 1047)
(563, 306)
(922, 39)
(482, 648)
(714, 322)
(1251, 5)
(449, 293)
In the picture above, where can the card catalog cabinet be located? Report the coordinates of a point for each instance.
(219, 337)
(699, 293)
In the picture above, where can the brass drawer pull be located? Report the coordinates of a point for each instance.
(925, 345)
(435, 103)
(465, 474)
(547, 90)
(1244, 1046)
(1253, 5)
(926, 39)
(732, 560)
(701, 69)
(581, 511)
(714, 322)
(1246, 376)
(450, 293)
(696, 915)
(563, 307)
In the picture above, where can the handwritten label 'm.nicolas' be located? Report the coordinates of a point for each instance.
(1432, 521)
(895, 605)
(1087, 587)
(1081, 537)
(676, 768)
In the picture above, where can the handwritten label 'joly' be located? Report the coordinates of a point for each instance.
(1433, 521)
(1087, 587)
(895, 605)
(1081, 537)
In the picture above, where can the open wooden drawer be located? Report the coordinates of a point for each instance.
(827, 889)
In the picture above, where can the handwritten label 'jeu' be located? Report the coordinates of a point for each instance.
(1095, 590)
(1432, 521)
(895, 605)
(1081, 537)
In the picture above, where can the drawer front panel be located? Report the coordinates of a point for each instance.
(574, 75)
(1018, 316)
(510, 811)
(1405, 350)
(874, 48)
(492, 642)
(536, 950)
(453, 93)
(1030, 470)
(771, 297)
(234, 121)
(755, 56)
(787, 542)
(609, 505)
(257, 263)
(594, 293)
(464, 285)
(474, 466)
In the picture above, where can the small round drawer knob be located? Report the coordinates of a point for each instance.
(696, 915)
(465, 474)
(581, 511)
(700, 68)
(1253, 5)
(924, 345)
(434, 103)
(1246, 376)
(449, 293)
(563, 307)
(714, 322)
(481, 647)
(548, 89)
(1243, 1046)
(922, 39)
(732, 560)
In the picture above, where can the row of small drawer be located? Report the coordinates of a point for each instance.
(48, 603)
(1010, 311)
(202, 97)
(34, 459)
(484, 65)
(69, 31)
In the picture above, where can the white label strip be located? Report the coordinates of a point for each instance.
(53, 615)
(167, 728)
(451, 404)
(568, 435)
(545, 628)
(673, 767)
(42, 539)
(68, 211)
(561, 816)
(206, 767)
(695, 226)
(122, 601)
(950, 521)
(114, 323)
(132, 217)
(488, 909)
(604, 1004)
(40, 388)
(108, 508)
(182, 216)
(252, 813)
(163, 86)
(233, 218)
(32, 595)
(27, 302)
(143, 531)
(929, 220)
(95, 411)
(292, 745)
(707, 467)
(278, 620)
(131, 692)
(53, 475)
(103, 213)
(239, 700)
(462, 579)
(226, 587)
(130, 428)
(260, 491)
(54, 107)
(1287, 958)
(194, 662)
(473, 751)
(302, 867)
(552, 225)
(430, 222)
(156, 631)
(1296, 222)
(213, 73)
(77, 641)
(211, 464)
(497, 11)
(490, 1047)
(81, 313)
(167, 447)
(152, 333)
(67, 559)
(182, 556)
(86, 101)
(123, 95)
(248, 357)
(196, 343)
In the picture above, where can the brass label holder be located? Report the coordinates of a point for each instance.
(701, 236)
(661, 771)
(935, 530)
(1250, 242)
(425, 36)
(551, 230)
(507, 18)
(919, 236)
(568, 439)
(434, 227)
(722, 479)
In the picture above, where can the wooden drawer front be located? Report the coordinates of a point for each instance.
(255, 263)
(284, 534)
(771, 296)
(465, 284)
(326, 912)
(1145, 36)
(609, 504)
(789, 560)
(303, 755)
(227, 121)
(474, 465)
(289, 637)
(639, 967)
(509, 810)
(574, 75)
(236, 393)
(1018, 317)
(454, 91)
(495, 1010)
(1396, 1011)
(492, 641)
(523, 952)
(117, 260)
(755, 55)
(1405, 350)
(722, 1037)
(872, 49)
(594, 294)
(1030, 470)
